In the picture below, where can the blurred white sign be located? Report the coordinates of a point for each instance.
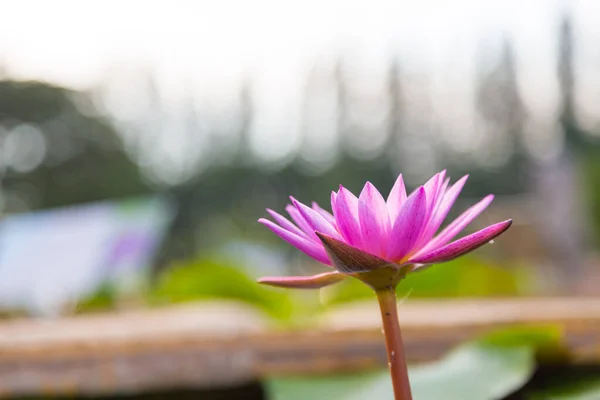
(50, 258)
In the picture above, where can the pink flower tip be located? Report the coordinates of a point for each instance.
(367, 233)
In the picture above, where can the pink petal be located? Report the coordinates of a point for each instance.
(286, 224)
(301, 222)
(303, 282)
(441, 212)
(346, 215)
(462, 246)
(314, 250)
(441, 181)
(448, 200)
(314, 219)
(445, 186)
(374, 220)
(432, 188)
(396, 198)
(349, 260)
(456, 226)
(434, 198)
(407, 226)
(324, 213)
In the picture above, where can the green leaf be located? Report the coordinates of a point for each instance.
(486, 369)
(475, 372)
(374, 385)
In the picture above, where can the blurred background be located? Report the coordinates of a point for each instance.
(140, 141)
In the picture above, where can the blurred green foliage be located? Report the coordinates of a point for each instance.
(102, 299)
(212, 279)
(568, 386)
(464, 277)
(591, 186)
(547, 341)
(84, 156)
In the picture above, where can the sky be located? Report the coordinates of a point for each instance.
(208, 48)
(77, 43)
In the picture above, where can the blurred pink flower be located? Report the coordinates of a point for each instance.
(368, 233)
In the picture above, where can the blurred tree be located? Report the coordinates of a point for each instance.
(500, 105)
(342, 94)
(53, 154)
(396, 113)
(246, 117)
(566, 78)
(557, 185)
(577, 164)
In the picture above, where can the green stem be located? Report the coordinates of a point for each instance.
(393, 343)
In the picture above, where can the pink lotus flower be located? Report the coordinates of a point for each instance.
(370, 233)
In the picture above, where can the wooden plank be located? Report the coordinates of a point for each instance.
(217, 344)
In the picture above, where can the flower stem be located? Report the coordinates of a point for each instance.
(393, 343)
